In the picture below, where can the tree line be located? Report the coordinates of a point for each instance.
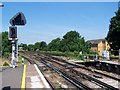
(71, 42)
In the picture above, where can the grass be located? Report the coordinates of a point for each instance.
(76, 58)
(59, 87)
(0, 61)
(5, 62)
(20, 60)
(70, 55)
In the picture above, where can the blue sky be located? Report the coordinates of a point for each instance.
(49, 20)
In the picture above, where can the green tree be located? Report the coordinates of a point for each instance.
(43, 45)
(37, 46)
(30, 47)
(6, 44)
(24, 46)
(40, 46)
(72, 41)
(54, 44)
(113, 36)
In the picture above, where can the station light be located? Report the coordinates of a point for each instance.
(13, 32)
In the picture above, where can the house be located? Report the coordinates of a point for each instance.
(99, 45)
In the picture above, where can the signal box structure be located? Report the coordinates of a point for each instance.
(12, 32)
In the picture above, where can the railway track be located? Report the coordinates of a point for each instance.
(68, 71)
(86, 75)
(65, 76)
(93, 70)
(43, 70)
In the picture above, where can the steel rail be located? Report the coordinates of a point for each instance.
(93, 79)
(67, 77)
(78, 66)
(89, 77)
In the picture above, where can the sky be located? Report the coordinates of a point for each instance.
(59, 0)
(49, 20)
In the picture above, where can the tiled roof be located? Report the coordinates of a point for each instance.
(95, 41)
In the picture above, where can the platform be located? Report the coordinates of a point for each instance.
(111, 62)
(34, 78)
(11, 77)
(23, 77)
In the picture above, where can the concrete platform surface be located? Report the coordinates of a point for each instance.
(12, 77)
(34, 78)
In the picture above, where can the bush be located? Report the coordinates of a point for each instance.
(5, 64)
(114, 57)
(81, 57)
(6, 55)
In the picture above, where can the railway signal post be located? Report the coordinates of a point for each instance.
(13, 54)
(18, 19)
(13, 37)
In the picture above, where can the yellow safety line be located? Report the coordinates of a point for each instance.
(23, 78)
